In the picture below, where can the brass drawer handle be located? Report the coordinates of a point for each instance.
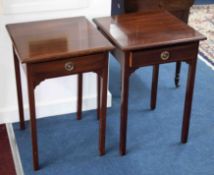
(69, 66)
(165, 55)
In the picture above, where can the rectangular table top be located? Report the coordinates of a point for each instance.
(56, 39)
(146, 29)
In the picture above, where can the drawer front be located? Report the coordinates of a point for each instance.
(163, 55)
(69, 66)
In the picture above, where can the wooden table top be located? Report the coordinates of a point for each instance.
(146, 29)
(56, 39)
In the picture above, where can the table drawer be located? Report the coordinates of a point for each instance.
(69, 66)
(163, 55)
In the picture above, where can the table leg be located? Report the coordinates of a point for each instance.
(79, 96)
(188, 101)
(177, 73)
(154, 86)
(124, 106)
(98, 96)
(103, 105)
(31, 87)
(19, 91)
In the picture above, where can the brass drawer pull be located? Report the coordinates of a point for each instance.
(69, 66)
(165, 55)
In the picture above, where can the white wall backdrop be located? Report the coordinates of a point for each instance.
(22, 6)
(55, 96)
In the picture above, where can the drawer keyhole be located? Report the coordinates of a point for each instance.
(165, 55)
(69, 66)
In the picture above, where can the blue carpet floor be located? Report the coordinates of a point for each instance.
(68, 146)
(204, 1)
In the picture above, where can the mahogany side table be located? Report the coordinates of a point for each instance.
(55, 48)
(150, 39)
(179, 8)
